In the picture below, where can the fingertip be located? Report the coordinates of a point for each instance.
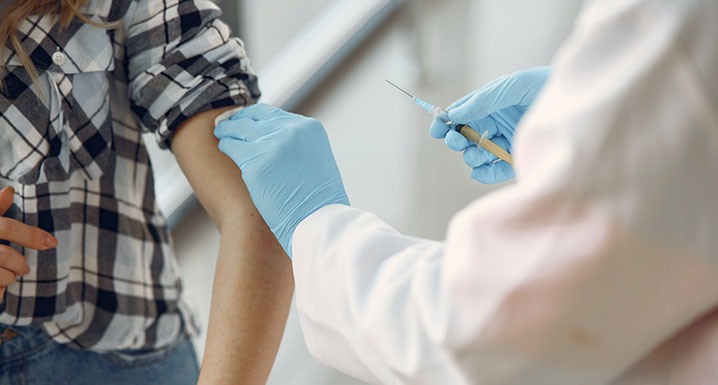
(483, 174)
(6, 197)
(456, 141)
(49, 241)
(438, 129)
(493, 173)
(504, 171)
(472, 156)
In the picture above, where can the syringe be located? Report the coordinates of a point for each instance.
(468, 132)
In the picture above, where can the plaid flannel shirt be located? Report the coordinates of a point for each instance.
(71, 146)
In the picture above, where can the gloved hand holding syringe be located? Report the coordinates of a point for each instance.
(466, 131)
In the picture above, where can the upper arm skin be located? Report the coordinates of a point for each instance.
(253, 281)
(214, 177)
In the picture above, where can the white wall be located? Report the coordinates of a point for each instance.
(509, 35)
(267, 25)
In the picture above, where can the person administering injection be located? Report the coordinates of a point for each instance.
(597, 266)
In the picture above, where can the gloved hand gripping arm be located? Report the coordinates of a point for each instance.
(287, 165)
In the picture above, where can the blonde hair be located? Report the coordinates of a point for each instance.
(18, 11)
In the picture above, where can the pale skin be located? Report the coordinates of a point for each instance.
(253, 282)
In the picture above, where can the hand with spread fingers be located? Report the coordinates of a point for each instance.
(12, 263)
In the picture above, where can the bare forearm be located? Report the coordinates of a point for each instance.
(253, 279)
(251, 296)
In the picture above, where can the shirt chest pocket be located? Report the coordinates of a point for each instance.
(62, 124)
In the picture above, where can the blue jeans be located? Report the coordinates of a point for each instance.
(28, 356)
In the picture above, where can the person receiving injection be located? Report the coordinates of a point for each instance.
(597, 266)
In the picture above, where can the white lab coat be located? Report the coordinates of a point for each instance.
(599, 266)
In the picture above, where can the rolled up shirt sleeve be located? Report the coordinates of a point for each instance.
(182, 60)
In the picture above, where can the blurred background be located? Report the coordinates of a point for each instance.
(328, 59)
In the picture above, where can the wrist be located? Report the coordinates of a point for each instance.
(285, 234)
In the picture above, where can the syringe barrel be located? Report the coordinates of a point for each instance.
(481, 140)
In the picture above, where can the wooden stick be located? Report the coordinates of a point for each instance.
(472, 135)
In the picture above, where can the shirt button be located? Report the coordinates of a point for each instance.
(58, 58)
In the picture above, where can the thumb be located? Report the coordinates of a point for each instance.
(519, 88)
(461, 101)
(481, 102)
(2, 292)
(439, 128)
(6, 197)
(472, 110)
(486, 100)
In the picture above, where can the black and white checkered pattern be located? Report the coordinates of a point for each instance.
(71, 145)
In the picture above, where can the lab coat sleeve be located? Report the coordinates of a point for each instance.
(376, 278)
(603, 249)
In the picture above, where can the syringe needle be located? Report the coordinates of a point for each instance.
(464, 130)
(400, 89)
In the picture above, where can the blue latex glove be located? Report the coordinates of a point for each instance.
(497, 108)
(287, 165)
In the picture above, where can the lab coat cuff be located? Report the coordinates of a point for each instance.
(304, 228)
